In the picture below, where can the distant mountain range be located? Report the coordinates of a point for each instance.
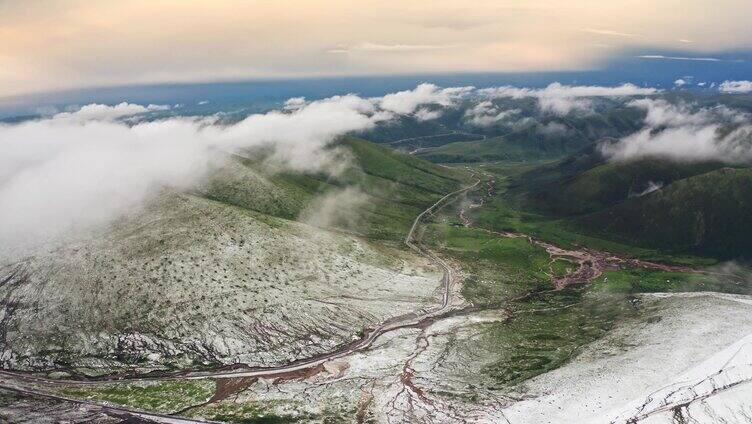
(699, 207)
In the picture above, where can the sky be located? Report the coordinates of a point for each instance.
(65, 44)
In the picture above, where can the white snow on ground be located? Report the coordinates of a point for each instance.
(191, 280)
(686, 339)
(711, 390)
(415, 375)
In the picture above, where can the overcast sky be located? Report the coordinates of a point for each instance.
(55, 44)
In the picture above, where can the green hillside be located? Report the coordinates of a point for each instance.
(708, 213)
(397, 187)
(229, 272)
(675, 207)
(565, 189)
(489, 150)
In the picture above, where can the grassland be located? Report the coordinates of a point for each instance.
(506, 212)
(493, 149)
(189, 397)
(548, 329)
(673, 209)
(544, 329)
(707, 214)
(245, 413)
(496, 268)
(534, 138)
(564, 190)
(396, 187)
(273, 412)
(165, 397)
(651, 281)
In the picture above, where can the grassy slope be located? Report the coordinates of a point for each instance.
(169, 269)
(492, 149)
(542, 329)
(702, 208)
(398, 187)
(607, 184)
(164, 397)
(707, 213)
(506, 211)
(547, 328)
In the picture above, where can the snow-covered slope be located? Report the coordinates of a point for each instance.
(191, 281)
(689, 357)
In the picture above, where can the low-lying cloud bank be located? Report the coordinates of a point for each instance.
(75, 170)
(683, 133)
(84, 168)
(736, 87)
(486, 114)
(561, 99)
(80, 169)
(339, 208)
(408, 101)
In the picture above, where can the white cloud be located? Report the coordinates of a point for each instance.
(425, 114)
(562, 99)
(107, 113)
(152, 108)
(651, 187)
(736, 86)
(389, 48)
(680, 82)
(84, 168)
(294, 103)
(81, 169)
(660, 56)
(485, 114)
(559, 90)
(339, 208)
(406, 102)
(608, 32)
(661, 113)
(561, 106)
(678, 132)
(553, 129)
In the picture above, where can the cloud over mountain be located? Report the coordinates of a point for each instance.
(80, 169)
(684, 133)
(485, 114)
(736, 86)
(559, 99)
(86, 167)
(406, 102)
